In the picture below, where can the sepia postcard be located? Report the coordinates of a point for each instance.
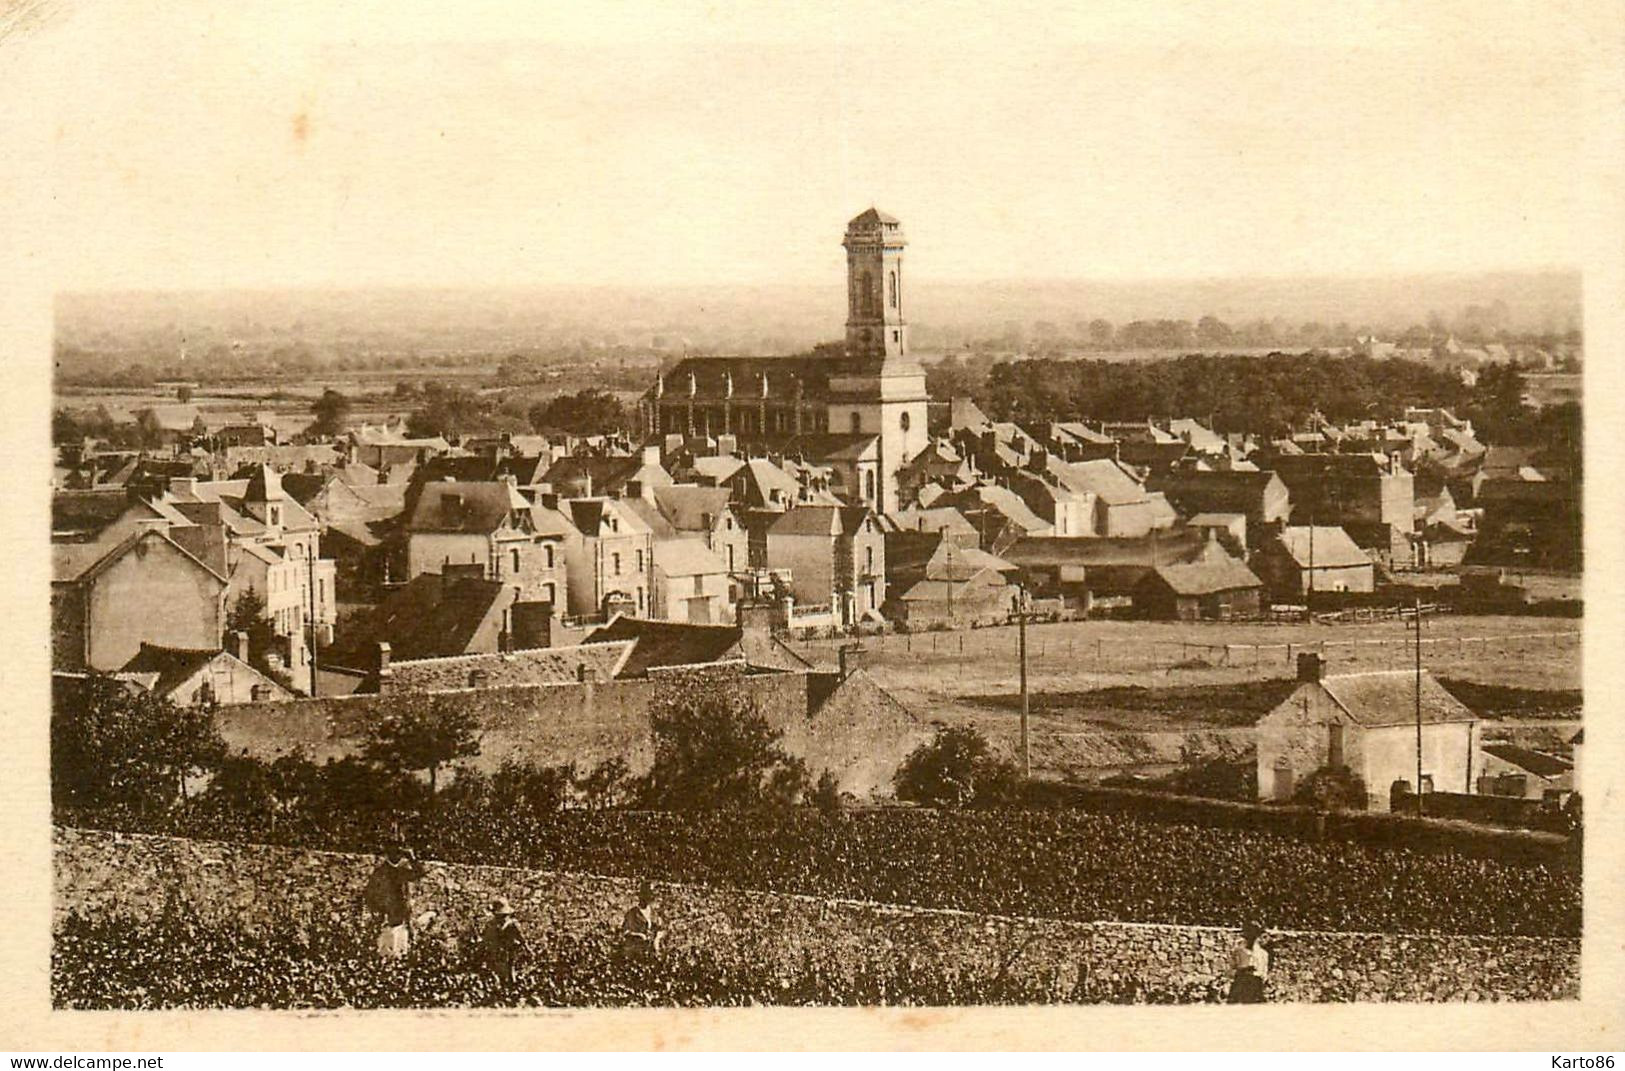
(728, 526)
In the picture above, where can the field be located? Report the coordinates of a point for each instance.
(1084, 723)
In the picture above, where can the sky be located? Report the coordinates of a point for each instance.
(194, 146)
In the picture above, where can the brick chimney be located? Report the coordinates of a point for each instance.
(239, 644)
(1311, 667)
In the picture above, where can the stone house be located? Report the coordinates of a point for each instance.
(1304, 559)
(107, 600)
(1366, 722)
(491, 525)
(1212, 587)
(690, 583)
(192, 677)
(609, 552)
(835, 556)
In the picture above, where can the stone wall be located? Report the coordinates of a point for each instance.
(99, 872)
(857, 729)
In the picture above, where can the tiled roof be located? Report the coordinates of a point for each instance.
(428, 617)
(546, 665)
(686, 507)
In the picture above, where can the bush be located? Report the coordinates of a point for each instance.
(957, 769)
(714, 748)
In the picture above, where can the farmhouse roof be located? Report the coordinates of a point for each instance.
(1388, 697)
(1332, 549)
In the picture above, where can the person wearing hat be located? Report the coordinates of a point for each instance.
(1249, 966)
(641, 935)
(503, 942)
(389, 897)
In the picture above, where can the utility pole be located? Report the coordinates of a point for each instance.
(1417, 605)
(1021, 634)
(310, 592)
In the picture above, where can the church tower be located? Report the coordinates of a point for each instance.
(874, 286)
(881, 389)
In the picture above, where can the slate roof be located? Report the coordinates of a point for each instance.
(1388, 697)
(1536, 762)
(1333, 549)
(872, 216)
(686, 506)
(80, 561)
(1211, 574)
(171, 667)
(1104, 479)
(819, 520)
(428, 617)
(471, 508)
(668, 643)
(932, 519)
(572, 476)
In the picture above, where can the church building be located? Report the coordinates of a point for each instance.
(861, 408)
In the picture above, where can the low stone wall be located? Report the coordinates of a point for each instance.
(99, 872)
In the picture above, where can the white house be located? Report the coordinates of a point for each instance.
(1367, 723)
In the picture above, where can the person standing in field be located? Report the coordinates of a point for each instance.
(641, 935)
(388, 898)
(1249, 966)
(503, 942)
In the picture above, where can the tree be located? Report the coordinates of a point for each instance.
(957, 769)
(247, 615)
(114, 743)
(424, 736)
(587, 412)
(1332, 789)
(332, 413)
(183, 393)
(715, 749)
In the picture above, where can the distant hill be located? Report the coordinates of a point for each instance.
(775, 318)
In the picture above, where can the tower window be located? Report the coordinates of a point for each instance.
(869, 484)
(894, 289)
(903, 420)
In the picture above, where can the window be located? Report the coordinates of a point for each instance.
(640, 561)
(549, 559)
(894, 295)
(615, 563)
(515, 559)
(903, 420)
(1334, 745)
(547, 593)
(640, 600)
(857, 423)
(869, 484)
(897, 336)
(730, 558)
(699, 584)
(869, 558)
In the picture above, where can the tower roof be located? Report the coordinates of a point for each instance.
(871, 217)
(265, 485)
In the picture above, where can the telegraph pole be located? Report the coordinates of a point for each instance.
(1021, 634)
(1417, 605)
(310, 593)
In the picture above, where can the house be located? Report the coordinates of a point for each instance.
(1259, 496)
(665, 645)
(1313, 558)
(492, 525)
(689, 583)
(1212, 587)
(1508, 770)
(1366, 722)
(1229, 528)
(933, 579)
(202, 677)
(1083, 571)
(835, 556)
(608, 551)
(585, 476)
(107, 600)
(458, 611)
(934, 519)
(1372, 497)
(682, 511)
(1121, 505)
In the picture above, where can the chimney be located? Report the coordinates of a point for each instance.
(651, 454)
(239, 645)
(532, 625)
(851, 657)
(586, 485)
(1311, 667)
(727, 445)
(183, 485)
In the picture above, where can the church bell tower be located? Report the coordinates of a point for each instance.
(874, 286)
